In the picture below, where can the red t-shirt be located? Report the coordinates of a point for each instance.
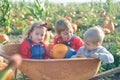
(25, 50)
(76, 43)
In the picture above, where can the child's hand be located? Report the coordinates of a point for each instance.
(16, 59)
(81, 56)
(95, 55)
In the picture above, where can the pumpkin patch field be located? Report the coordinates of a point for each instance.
(17, 17)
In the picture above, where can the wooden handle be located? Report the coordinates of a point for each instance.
(106, 73)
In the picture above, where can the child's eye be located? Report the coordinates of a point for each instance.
(70, 31)
(66, 34)
(42, 35)
(37, 33)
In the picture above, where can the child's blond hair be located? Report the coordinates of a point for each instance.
(38, 24)
(95, 35)
(62, 25)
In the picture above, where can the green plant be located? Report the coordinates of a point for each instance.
(5, 7)
(115, 50)
(39, 11)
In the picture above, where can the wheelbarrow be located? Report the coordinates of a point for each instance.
(55, 69)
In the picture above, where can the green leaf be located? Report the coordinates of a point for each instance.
(3, 73)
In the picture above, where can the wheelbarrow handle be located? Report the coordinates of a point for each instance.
(106, 73)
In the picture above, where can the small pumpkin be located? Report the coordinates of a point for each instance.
(106, 31)
(3, 65)
(74, 26)
(18, 25)
(10, 75)
(82, 56)
(102, 13)
(12, 14)
(113, 18)
(78, 23)
(29, 22)
(3, 37)
(7, 29)
(21, 15)
(110, 26)
(107, 18)
(12, 20)
(1, 59)
(59, 51)
(68, 18)
(30, 17)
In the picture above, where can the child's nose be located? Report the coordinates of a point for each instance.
(40, 37)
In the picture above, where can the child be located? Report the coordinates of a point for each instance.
(33, 46)
(65, 35)
(93, 39)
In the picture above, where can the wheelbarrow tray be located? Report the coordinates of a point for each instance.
(55, 69)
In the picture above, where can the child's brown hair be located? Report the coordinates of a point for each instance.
(61, 25)
(39, 24)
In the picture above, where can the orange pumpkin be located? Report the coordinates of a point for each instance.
(68, 18)
(102, 13)
(107, 18)
(59, 51)
(10, 75)
(58, 16)
(113, 18)
(78, 23)
(3, 37)
(18, 25)
(12, 20)
(12, 14)
(82, 56)
(29, 22)
(106, 31)
(74, 26)
(110, 26)
(7, 29)
(30, 17)
(21, 15)
(48, 18)
(1, 59)
(3, 66)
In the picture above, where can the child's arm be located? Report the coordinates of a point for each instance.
(25, 49)
(77, 54)
(104, 56)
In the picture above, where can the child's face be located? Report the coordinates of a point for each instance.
(66, 34)
(38, 35)
(89, 45)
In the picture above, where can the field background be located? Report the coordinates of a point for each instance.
(16, 18)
